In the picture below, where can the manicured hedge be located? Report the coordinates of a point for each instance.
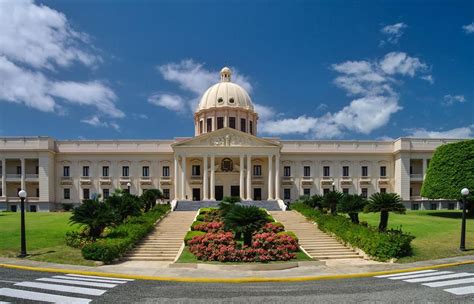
(379, 245)
(123, 237)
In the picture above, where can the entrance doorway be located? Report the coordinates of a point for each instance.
(196, 194)
(219, 193)
(257, 194)
(234, 190)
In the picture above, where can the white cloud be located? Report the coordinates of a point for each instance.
(463, 132)
(35, 38)
(401, 63)
(449, 100)
(468, 28)
(264, 112)
(96, 122)
(301, 125)
(428, 78)
(393, 32)
(169, 101)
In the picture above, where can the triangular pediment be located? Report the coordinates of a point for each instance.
(227, 137)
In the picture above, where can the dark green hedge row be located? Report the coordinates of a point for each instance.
(379, 245)
(123, 237)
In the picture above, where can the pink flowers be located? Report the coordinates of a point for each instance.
(272, 227)
(210, 227)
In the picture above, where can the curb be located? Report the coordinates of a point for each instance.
(234, 280)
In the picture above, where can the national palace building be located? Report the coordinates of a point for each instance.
(225, 157)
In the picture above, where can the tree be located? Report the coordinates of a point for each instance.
(149, 198)
(385, 203)
(227, 203)
(124, 205)
(93, 214)
(450, 170)
(352, 204)
(314, 201)
(245, 220)
(331, 199)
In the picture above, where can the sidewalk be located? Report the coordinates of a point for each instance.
(162, 271)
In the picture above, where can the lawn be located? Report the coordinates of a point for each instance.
(437, 232)
(44, 237)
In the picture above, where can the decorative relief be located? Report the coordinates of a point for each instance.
(228, 140)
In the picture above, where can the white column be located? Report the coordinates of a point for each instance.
(424, 168)
(213, 185)
(241, 184)
(249, 177)
(23, 175)
(176, 179)
(183, 177)
(4, 177)
(205, 181)
(270, 177)
(277, 177)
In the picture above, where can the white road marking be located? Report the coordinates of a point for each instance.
(97, 277)
(461, 290)
(439, 278)
(64, 288)
(39, 296)
(90, 280)
(450, 282)
(419, 275)
(403, 273)
(93, 284)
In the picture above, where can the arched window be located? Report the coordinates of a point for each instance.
(227, 165)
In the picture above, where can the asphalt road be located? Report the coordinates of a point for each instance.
(447, 285)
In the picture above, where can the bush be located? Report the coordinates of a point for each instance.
(380, 245)
(209, 227)
(245, 220)
(93, 214)
(67, 206)
(209, 215)
(290, 234)
(190, 234)
(77, 239)
(124, 205)
(274, 227)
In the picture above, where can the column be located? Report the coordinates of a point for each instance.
(424, 168)
(23, 175)
(4, 177)
(241, 184)
(277, 177)
(176, 186)
(183, 177)
(270, 177)
(205, 181)
(213, 185)
(249, 177)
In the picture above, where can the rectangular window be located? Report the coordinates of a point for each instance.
(286, 171)
(105, 171)
(411, 191)
(411, 170)
(383, 171)
(415, 206)
(287, 194)
(85, 171)
(326, 171)
(257, 170)
(345, 190)
(67, 193)
(365, 171)
(37, 170)
(364, 192)
(166, 171)
(306, 192)
(37, 192)
(209, 125)
(66, 171)
(243, 126)
(307, 171)
(345, 171)
(125, 171)
(383, 190)
(433, 206)
(251, 127)
(145, 171)
(166, 193)
(1, 192)
(220, 122)
(85, 193)
(200, 126)
(325, 191)
(196, 170)
(18, 169)
(232, 122)
(105, 193)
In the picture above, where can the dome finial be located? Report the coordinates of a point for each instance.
(225, 74)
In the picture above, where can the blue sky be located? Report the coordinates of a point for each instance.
(315, 69)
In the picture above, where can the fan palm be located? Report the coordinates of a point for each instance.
(245, 220)
(149, 198)
(93, 214)
(331, 199)
(385, 203)
(352, 204)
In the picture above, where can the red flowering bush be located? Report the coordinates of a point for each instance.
(272, 227)
(209, 227)
(212, 216)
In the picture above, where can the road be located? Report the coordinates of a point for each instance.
(447, 285)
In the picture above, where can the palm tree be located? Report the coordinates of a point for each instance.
(245, 220)
(149, 198)
(352, 204)
(331, 199)
(385, 203)
(227, 203)
(93, 214)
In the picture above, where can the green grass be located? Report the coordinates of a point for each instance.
(437, 232)
(45, 233)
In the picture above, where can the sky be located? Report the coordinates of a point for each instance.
(365, 70)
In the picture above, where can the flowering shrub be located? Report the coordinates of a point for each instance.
(272, 227)
(209, 227)
(213, 215)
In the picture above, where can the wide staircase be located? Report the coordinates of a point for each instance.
(316, 243)
(196, 205)
(164, 242)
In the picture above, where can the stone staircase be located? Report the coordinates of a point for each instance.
(164, 242)
(316, 243)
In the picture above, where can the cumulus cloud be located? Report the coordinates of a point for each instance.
(463, 132)
(428, 78)
(95, 121)
(393, 32)
(449, 100)
(35, 40)
(169, 101)
(468, 28)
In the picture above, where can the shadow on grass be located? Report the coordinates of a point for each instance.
(449, 214)
(40, 253)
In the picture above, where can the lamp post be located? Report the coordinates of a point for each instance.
(464, 193)
(22, 194)
(333, 186)
(128, 187)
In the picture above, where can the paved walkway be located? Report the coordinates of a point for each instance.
(164, 243)
(316, 243)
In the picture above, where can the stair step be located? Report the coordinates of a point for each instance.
(150, 259)
(333, 257)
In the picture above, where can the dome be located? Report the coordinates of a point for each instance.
(225, 94)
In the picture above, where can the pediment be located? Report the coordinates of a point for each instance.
(227, 137)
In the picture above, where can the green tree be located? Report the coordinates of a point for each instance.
(352, 204)
(245, 220)
(314, 201)
(331, 199)
(124, 205)
(93, 214)
(227, 203)
(149, 198)
(385, 203)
